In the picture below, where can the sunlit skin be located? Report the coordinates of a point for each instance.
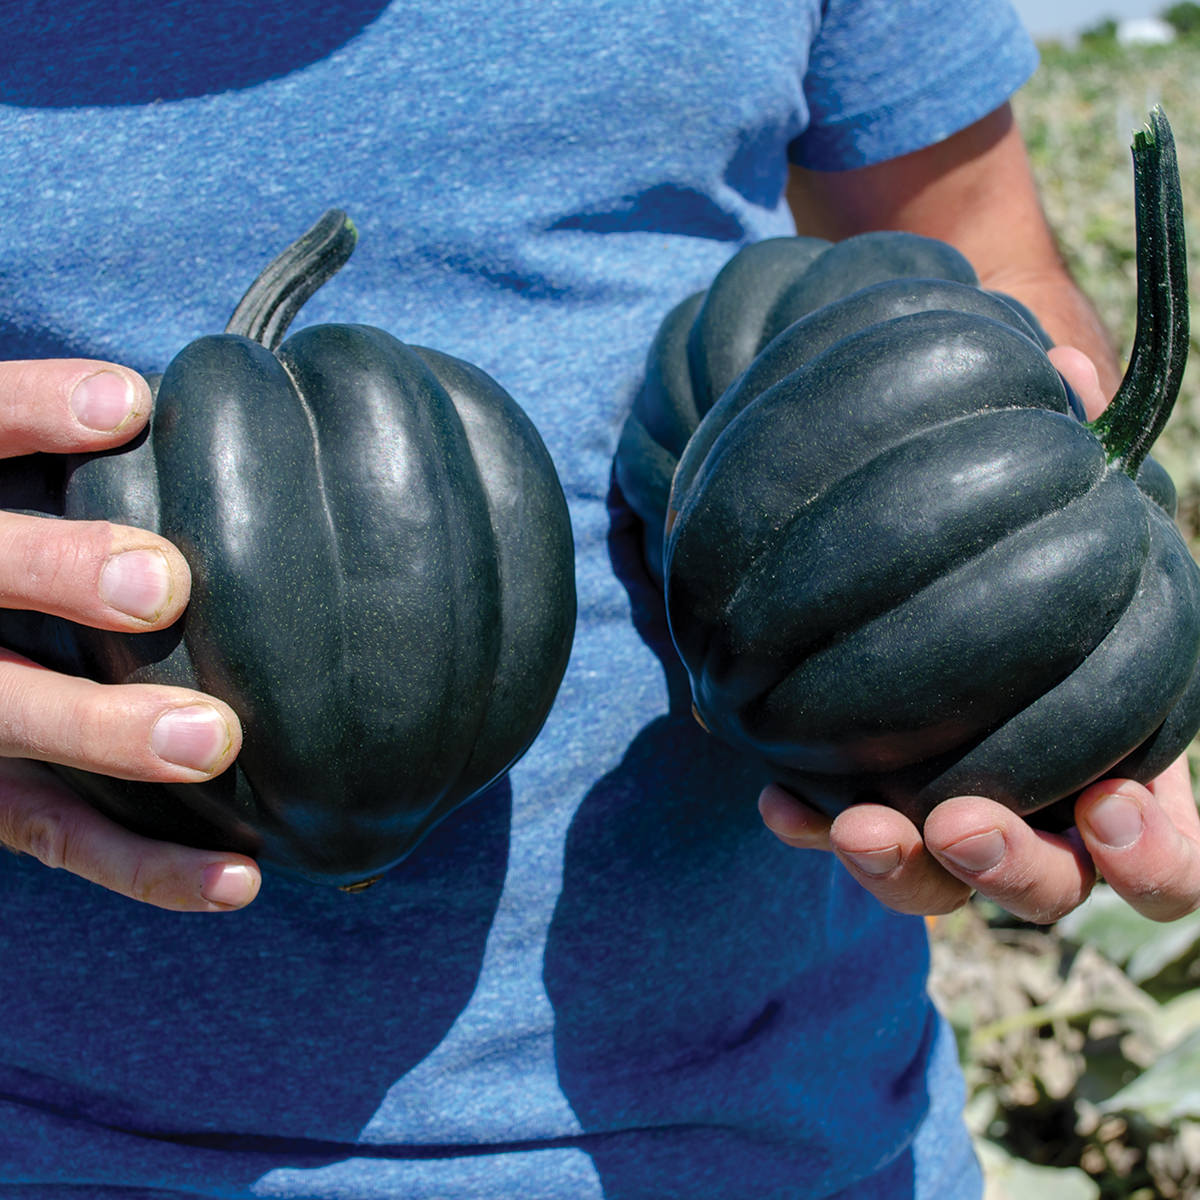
(112, 577)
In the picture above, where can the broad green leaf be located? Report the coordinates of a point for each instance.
(1166, 1091)
(1010, 1178)
(1124, 936)
(1166, 944)
(1178, 1018)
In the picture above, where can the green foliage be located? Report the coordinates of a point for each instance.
(1144, 948)
(1166, 1091)
(1011, 1177)
(1102, 34)
(1072, 1067)
(1184, 18)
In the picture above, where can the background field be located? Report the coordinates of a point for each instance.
(1081, 1043)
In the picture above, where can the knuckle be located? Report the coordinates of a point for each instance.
(47, 834)
(141, 885)
(803, 841)
(1161, 903)
(921, 892)
(86, 728)
(949, 901)
(25, 384)
(1021, 891)
(34, 413)
(53, 718)
(51, 559)
(1046, 914)
(16, 725)
(102, 729)
(1029, 898)
(941, 900)
(1175, 910)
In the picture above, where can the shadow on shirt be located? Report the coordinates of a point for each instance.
(273, 1031)
(714, 1033)
(116, 52)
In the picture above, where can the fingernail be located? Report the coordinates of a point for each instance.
(137, 583)
(195, 736)
(1115, 820)
(876, 862)
(229, 885)
(103, 401)
(977, 853)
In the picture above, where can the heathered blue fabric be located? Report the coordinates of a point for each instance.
(603, 978)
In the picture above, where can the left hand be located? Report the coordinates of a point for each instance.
(1144, 840)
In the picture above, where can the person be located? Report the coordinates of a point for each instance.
(604, 977)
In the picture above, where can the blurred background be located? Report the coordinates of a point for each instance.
(1066, 18)
(1081, 1042)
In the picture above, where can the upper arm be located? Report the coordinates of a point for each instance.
(975, 190)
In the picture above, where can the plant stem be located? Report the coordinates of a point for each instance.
(1029, 1018)
(1147, 393)
(288, 281)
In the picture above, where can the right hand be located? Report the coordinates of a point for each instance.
(110, 577)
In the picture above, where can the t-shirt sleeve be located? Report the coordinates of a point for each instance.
(886, 77)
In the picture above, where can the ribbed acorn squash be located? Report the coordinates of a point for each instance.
(898, 563)
(383, 579)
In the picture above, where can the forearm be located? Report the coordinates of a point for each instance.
(1065, 313)
(976, 191)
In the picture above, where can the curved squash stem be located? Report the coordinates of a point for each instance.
(288, 281)
(1147, 393)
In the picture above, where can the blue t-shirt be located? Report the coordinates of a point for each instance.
(603, 978)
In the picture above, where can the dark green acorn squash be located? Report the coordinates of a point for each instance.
(706, 343)
(383, 579)
(899, 565)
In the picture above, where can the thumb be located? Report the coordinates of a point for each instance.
(1082, 376)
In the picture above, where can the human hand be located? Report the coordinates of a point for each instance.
(1144, 840)
(111, 577)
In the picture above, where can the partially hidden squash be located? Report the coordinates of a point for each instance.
(899, 565)
(383, 579)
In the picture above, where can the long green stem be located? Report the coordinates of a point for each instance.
(1139, 410)
(288, 281)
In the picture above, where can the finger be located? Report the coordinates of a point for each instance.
(881, 848)
(1080, 372)
(40, 817)
(884, 851)
(1037, 876)
(1145, 844)
(791, 821)
(60, 405)
(132, 731)
(1173, 792)
(100, 574)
